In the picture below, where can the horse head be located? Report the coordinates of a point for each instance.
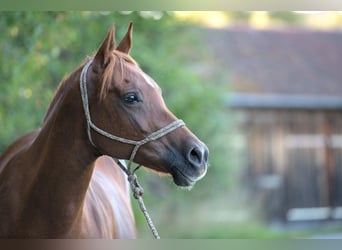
(124, 107)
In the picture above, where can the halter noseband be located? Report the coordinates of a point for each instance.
(137, 190)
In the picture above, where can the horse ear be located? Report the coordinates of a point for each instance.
(103, 54)
(126, 43)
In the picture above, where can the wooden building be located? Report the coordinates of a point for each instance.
(287, 88)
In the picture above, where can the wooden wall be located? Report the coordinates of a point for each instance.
(295, 160)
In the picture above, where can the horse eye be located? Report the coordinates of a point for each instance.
(131, 98)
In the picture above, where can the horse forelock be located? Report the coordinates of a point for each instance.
(115, 67)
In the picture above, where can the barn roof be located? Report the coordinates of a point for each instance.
(274, 63)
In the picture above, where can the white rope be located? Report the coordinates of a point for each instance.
(136, 188)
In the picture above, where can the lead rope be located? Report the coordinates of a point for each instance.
(132, 178)
(138, 191)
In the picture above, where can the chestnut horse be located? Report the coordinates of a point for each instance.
(60, 181)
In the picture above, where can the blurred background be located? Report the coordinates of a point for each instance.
(262, 89)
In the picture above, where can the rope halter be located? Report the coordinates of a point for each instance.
(137, 190)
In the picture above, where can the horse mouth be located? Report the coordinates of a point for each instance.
(182, 179)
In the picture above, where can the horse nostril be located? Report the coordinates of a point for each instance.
(198, 156)
(206, 154)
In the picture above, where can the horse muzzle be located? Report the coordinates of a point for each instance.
(194, 168)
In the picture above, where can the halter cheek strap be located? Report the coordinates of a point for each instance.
(137, 190)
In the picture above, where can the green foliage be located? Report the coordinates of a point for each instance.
(37, 49)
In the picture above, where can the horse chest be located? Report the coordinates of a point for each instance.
(107, 212)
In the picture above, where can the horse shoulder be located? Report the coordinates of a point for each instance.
(107, 211)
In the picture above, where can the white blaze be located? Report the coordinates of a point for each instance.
(149, 80)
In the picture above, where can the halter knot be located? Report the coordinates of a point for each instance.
(137, 190)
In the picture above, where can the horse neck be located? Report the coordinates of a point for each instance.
(63, 162)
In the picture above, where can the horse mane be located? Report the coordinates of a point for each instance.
(63, 87)
(116, 61)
